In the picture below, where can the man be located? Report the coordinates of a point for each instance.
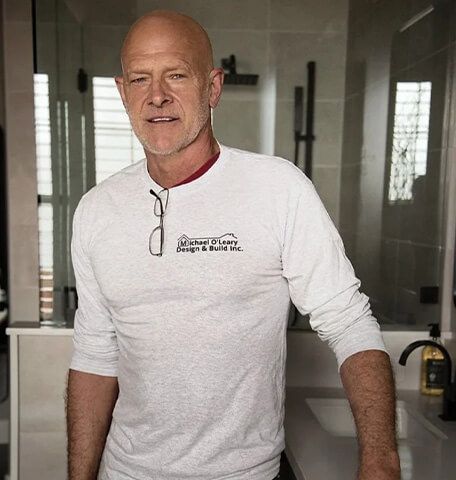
(185, 263)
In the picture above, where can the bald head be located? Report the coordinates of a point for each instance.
(173, 29)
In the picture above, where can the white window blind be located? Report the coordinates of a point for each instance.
(44, 179)
(43, 134)
(116, 146)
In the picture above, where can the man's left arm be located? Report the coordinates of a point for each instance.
(368, 381)
(323, 284)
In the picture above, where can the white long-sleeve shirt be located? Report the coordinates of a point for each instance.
(197, 337)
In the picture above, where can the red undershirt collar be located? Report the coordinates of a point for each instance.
(201, 171)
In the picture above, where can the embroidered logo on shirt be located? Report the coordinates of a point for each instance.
(226, 243)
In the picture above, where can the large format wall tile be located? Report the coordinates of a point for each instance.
(16, 11)
(22, 136)
(386, 293)
(106, 12)
(26, 298)
(350, 197)
(18, 78)
(46, 49)
(327, 130)
(23, 256)
(326, 49)
(105, 42)
(431, 34)
(234, 14)
(250, 49)
(309, 15)
(352, 143)
(237, 124)
(20, 155)
(327, 184)
(367, 260)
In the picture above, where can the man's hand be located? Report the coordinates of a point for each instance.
(368, 381)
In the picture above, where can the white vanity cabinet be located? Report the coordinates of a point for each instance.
(39, 361)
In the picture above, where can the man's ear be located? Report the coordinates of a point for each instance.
(120, 87)
(215, 84)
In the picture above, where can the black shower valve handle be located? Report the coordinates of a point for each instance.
(298, 104)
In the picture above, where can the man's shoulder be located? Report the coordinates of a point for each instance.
(256, 157)
(260, 166)
(118, 183)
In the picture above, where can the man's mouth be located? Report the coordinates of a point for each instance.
(162, 119)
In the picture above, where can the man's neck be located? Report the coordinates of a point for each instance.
(170, 170)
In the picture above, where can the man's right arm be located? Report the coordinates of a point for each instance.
(90, 402)
(92, 381)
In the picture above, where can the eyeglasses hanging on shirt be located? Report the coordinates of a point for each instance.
(157, 237)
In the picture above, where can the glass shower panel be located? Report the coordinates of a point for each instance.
(412, 225)
(83, 133)
(61, 156)
(394, 158)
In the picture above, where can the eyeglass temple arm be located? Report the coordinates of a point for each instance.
(154, 194)
(159, 200)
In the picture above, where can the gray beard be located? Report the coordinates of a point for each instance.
(188, 138)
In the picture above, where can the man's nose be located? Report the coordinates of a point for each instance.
(158, 94)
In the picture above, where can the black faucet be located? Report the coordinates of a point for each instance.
(449, 389)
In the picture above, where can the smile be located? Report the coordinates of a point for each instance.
(161, 119)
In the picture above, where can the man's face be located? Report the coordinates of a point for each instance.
(166, 90)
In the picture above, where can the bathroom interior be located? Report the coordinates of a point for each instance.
(359, 94)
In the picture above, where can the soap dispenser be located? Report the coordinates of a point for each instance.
(432, 365)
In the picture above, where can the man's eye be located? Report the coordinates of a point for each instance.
(177, 76)
(138, 80)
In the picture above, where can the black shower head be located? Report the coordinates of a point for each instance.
(234, 78)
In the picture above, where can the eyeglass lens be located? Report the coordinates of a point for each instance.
(156, 240)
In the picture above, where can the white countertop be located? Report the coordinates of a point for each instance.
(36, 328)
(315, 454)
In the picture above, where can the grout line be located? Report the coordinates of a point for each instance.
(401, 241)
(276, 30)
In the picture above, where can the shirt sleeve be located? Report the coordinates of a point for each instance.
(322, 281)
(94, 340)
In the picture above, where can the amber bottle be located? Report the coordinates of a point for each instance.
(432, 365)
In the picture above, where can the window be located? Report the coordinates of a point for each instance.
(43, 134)
(45, 209)
(45, 230)
(116, 146)
(410, 138)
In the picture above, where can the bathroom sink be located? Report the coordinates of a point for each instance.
(334, 416)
